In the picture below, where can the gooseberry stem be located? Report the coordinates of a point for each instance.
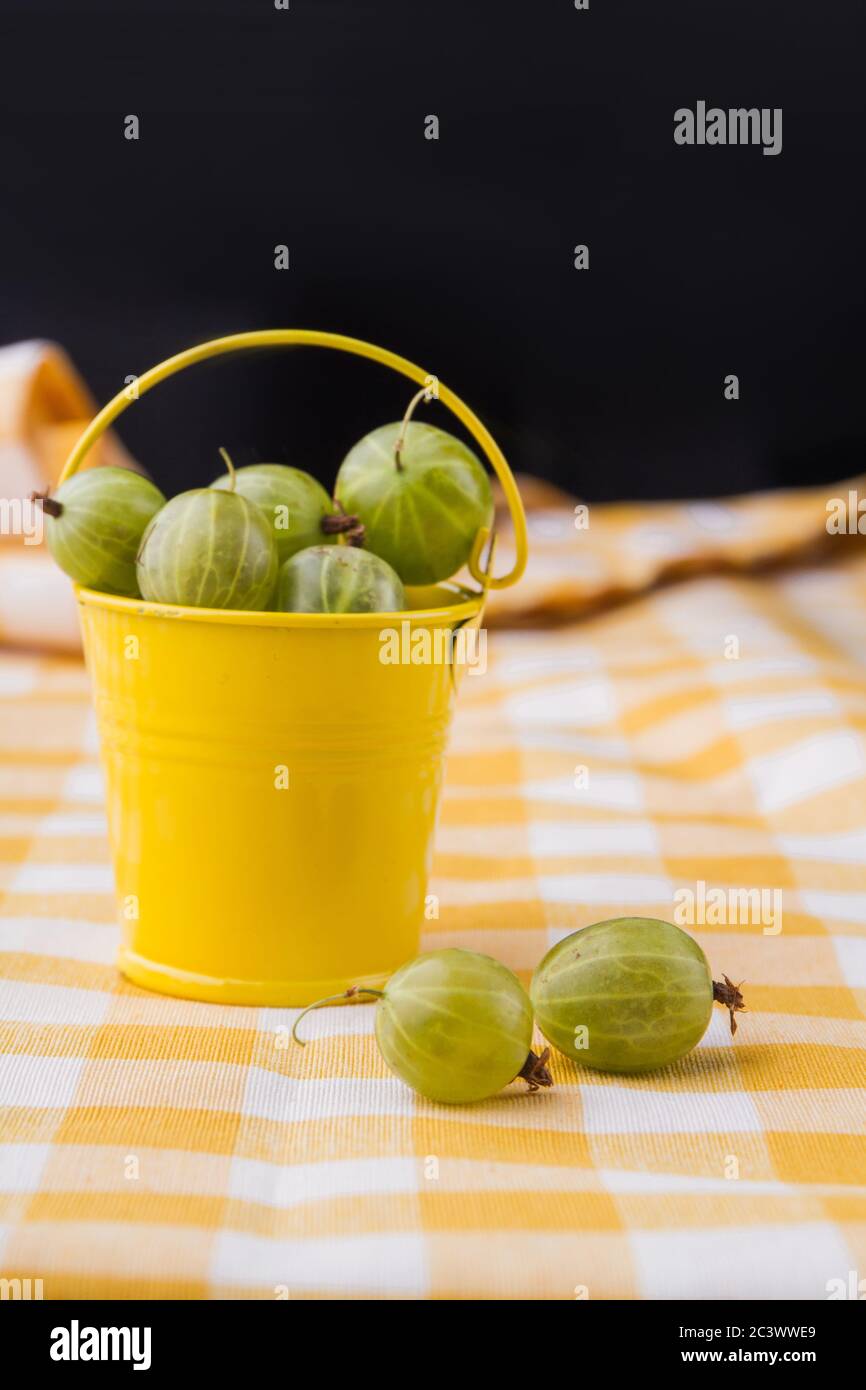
(341, 523)
(350, 993)
(410, 410)
(50, 506)
(534, 1070)
(224, 454)
(729, 995)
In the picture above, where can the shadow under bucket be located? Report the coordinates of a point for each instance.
(273, 779)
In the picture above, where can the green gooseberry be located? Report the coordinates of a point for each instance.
(454, 1025)
(338, 579)
(421, 495)
(627, 995)
(297, 506)
(209, 548)
(94, 523)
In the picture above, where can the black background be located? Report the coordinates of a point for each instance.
(306, 127)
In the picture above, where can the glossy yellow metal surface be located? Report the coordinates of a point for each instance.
(272, 791)
(272, 780)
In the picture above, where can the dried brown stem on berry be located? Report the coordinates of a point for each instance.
(534, 1071)
(729, 995)
(340, 523)
(49, 505)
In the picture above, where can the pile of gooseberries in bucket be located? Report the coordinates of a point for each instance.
(628, 995)
(409, 501)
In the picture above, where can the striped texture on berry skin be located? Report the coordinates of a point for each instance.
(455, 1025)
(338, 579)
(103, 515)
(423, 516)
(292, 501)
(627, 995)
(208, 549)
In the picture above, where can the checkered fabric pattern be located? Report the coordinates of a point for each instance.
(712, 732)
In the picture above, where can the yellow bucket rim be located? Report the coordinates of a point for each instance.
(458, 612)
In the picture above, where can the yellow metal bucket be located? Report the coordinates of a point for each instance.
(273, 778)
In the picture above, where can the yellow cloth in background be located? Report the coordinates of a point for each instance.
(708, 732)
(584, 559)
(44, 407)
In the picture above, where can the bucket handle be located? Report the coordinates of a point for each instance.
(296, 337)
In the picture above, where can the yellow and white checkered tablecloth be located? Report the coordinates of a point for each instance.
(153, 1147)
